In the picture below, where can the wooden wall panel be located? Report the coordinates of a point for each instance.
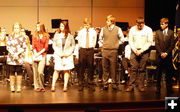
(25, 11)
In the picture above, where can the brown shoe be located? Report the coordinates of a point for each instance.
(129, 89)
(141, 89)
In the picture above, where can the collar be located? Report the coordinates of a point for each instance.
(111, 27)
(165, 30)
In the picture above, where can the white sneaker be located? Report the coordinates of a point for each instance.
(126, 71)
(110, 81)
(123, 81)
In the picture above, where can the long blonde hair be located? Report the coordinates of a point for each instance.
(20, 26)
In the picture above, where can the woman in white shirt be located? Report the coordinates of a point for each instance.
(63, 45)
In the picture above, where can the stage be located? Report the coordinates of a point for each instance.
(74, 101)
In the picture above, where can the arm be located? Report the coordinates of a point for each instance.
(121, 36)
(157, 43)
(100, 42)
(8, 44)
(171, 43)
(94, 38)
(131, 43)
(71, 47)
(45, 49)
(54, 45)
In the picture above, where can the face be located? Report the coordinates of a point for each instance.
(87, 26)
(140, 25)
(16, 28)
(164, 26)
(108, 22)
(38, 27)
(62, 27)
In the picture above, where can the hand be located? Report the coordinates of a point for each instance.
(36, 55)
(138, 52)
(163, 55)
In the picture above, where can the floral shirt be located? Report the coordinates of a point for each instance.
(16, 46)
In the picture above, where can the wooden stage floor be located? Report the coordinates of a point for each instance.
(73, 100)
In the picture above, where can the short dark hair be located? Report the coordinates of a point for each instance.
(164, 20)
(140, 20)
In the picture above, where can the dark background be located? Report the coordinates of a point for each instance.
(157, 9)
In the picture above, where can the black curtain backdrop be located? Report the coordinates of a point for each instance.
(157, 9)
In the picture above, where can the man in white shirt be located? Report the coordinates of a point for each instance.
(110, 37)
(86, 43)
(140, 39)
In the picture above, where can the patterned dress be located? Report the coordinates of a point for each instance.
(16, 45)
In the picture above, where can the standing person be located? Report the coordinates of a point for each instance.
(140, 39)
(16, 46)
(3, 37)
(86, 43)
(40, 40)
(63, 45)
(164, 44)
(110, 37)
(28, 57)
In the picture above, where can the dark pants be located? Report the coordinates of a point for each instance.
(138, 67)
(109, 64)
(125, 66)
(15, 68)
(86, 60)
(29, 71)
(166, 66)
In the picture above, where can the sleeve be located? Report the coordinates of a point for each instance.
(157, 43)
(24, 44)
(8, 45)
(33, 43)
(131, 43)
(121, 36)
(47, 43)
(100, 42)
(171, 43)
(71, 47)
(94, 38)
(54, 45)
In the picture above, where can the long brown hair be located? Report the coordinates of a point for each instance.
(66, 28)
(42, 30)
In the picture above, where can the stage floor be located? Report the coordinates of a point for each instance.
(29, 97)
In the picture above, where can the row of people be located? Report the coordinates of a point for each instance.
(140, 39)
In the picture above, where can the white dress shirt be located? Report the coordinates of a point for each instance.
(82, 38)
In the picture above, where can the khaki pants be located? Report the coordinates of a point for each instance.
(38, 71)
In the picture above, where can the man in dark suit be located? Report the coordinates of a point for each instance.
(164, 44)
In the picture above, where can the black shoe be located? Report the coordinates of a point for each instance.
(114, 87)
(105, 87)
(80, 88)
(129, 89)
